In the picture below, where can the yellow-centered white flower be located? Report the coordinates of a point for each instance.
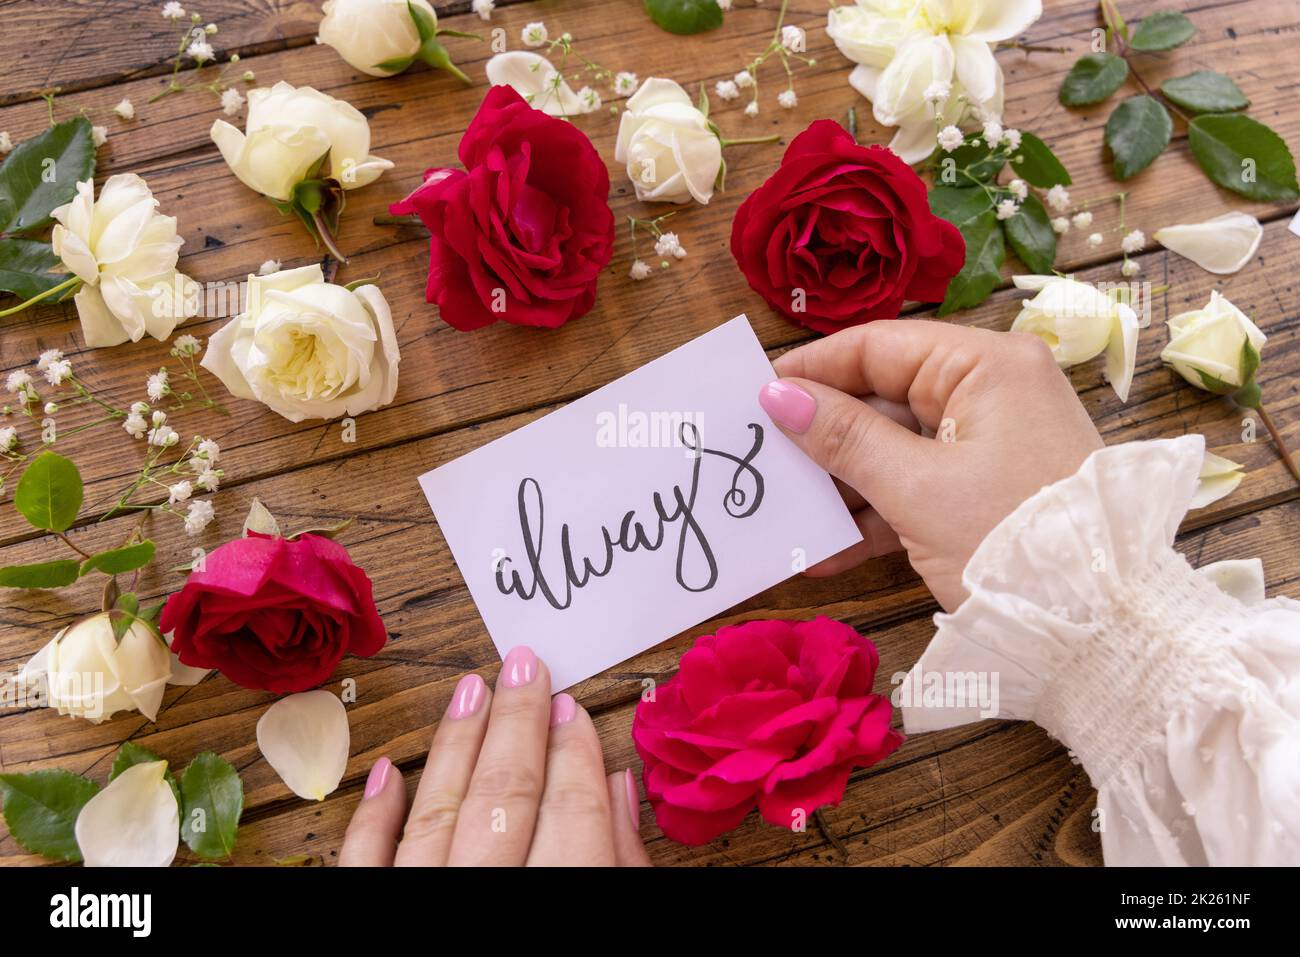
(672, 155)
(1208, 346)
(88, 673)
(906, 49)
(533, 77)
(367, 33)
(305, 739)
(1079, 322)
(288, 131)
(134, 822)
(308, 349)
(1221, 245)
(125, 252)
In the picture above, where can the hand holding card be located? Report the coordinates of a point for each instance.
(637, 511)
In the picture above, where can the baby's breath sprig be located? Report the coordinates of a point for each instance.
(667, 245)
(787, 45)
(194, 46)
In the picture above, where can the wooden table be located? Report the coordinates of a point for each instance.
(988, 793)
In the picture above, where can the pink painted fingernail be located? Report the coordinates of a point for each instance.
(467, 698)
(633, 800)
(378, 777)
(519, 668)
(563, 709)
(789, 406)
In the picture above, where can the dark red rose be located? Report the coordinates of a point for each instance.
(522, 233)
(842, 234)
(274, 614)
(768, 713)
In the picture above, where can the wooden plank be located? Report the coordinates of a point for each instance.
(452, 378)
(83, 44)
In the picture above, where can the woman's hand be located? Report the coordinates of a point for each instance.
(515, 777)
(1004, 422)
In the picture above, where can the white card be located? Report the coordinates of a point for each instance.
(544, 522)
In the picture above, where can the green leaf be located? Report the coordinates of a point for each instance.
(55, 574)
(116, 561)
(130, 754)
(1032, 237)
(326, 531)
(212, 799)
(42, 173)
(980, 163)
(41, 810)
(1093, 78)
(49, 493)
(1137, 132)
(1037, 165)
(1245, 156)
(29, 268)
(1162, 30)
(123, 615)
(1205, 92)
(685, 16)
(971, 211)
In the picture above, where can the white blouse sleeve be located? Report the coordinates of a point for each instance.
(1177, 690)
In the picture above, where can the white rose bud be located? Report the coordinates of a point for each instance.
(287, 131)
(308, 349)
(91, 674)
(1215, 348)
(1080, 322)
(671, 153)
(367, 33)
(125, 253)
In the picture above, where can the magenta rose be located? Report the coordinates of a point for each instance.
(766, 714)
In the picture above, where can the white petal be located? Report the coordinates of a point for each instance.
(913, 143)
(977, 70)
(1121, 351)
(1219, 476)
(1004, 19)
(133, 822)
(532, 76)
(1242, 578)
(305, 738)
(1033, 283)
(864, 79)
(1221, 245)
(184, 674)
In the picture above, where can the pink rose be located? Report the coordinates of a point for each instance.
(773, 714)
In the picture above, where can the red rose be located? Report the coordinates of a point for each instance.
(842, 234)
(523, 231)
(274, 614)
(768, 713)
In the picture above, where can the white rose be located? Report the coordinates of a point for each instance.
(125, 253)
(1078, 321)
(90, 674)
(367, 33)
(1215, 348)
(287, 131)
(869, 31)
(671, 153)
(308, 349)
(533, 77)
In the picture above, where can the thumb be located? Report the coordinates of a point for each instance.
(854, 442)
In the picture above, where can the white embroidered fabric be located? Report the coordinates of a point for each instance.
(1177, 690)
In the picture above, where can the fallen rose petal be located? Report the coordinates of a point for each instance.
(305, 739)
(1121, 351)
(1221, 245)
(1219, 476)
(133, 822)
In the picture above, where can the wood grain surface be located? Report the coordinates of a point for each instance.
(991, 793)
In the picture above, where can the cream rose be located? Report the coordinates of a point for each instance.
(1215, 348)
(124, 252)
(89, 673)
(368, 33)
(671, 152)
(308, 349)
(288, 130)
(1079, 322)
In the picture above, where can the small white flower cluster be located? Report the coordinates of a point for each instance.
(6, 144)
(669, 246)
(534, 34)
(625, 84)
(125, 109)
(1133, 241)
(483, 8)
(173, 11)
(232, 101)
(789, 43)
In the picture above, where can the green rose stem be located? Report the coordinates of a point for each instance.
(1115, 24)
(318, 217)
(387, 220)
(748, 140)
(67, 285)
(1252, 400)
